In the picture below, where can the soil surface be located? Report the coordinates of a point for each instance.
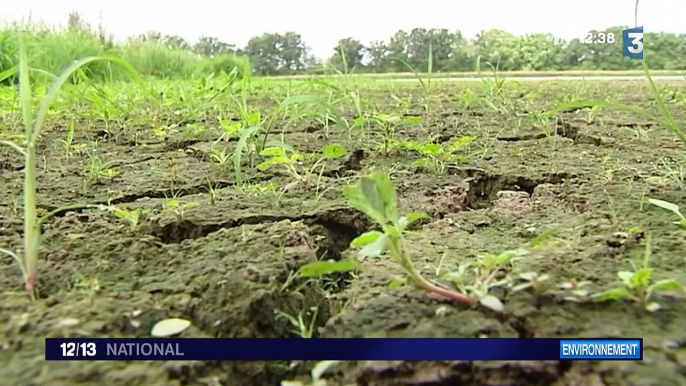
(226, 262)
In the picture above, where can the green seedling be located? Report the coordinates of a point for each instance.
(388, 124)
(97, 170)
(193, 131)
(220, 157)
(494, 88)
(467, 99)
(178, 209)
(68, 140)
(532, 281)
(292, 164)
(670, 207)
(229, 129)
(160, 132)
(302, 329)
(478, 278)
(33, 124)
(575, 291)
(592, 114)
(375, 196)
(439, 157)
(542, 121)
(213, 192)
(639, 286)
(130, 217)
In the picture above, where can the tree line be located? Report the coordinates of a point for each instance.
(281, 54)
(162, 55)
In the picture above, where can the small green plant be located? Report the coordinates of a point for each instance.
(670, 207)
(479, 278)
(221, 157)
(178, 209)
(592, 114)
(130, 217)
(68, 141)
(193, 130)
(543, 122)
(533, 281)
(375, 196)
(292, 164)
(98, 169)
(639, 285)
(467, 99)
(438, 157)
(33, 124)
(388, 125)
(302, 329)
(213, 192)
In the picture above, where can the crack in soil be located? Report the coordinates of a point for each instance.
(484, 186)
(342, 225)
(565, 130)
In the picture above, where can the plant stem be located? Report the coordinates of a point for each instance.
(31, 227)
(398, 249)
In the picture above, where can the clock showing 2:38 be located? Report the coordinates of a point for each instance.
(599, 37)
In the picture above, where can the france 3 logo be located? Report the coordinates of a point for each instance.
(632, 43)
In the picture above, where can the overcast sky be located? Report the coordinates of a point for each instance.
(322, 22)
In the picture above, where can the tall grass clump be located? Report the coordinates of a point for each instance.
(34, 120)
(52, 50)
(156, 59)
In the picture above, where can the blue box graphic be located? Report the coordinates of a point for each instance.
(632, 43)
(601, 349)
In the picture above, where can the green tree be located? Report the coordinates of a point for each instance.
(210, 47)
(499, 47)
(377, 53)
(542, 52)
(351, 50)
(276, 54)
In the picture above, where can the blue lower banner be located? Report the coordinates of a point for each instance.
(316, 349)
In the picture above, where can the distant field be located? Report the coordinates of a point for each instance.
(217, 200)
(474, 74)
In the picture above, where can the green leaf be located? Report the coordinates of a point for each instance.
(455, 146)
(273, 151)
(373, 197)
(353, 193)
(412, 217)
(611, 294)
(321, 268)
(626, 277)
(413, 120)
(375, 248)
(665, 285)
(641, 278)
(238, 153)
(266, 164)
(420, 163)
(386, 190)
(539, 240)
(666, 205)
(333, 151)
(492, 302)
(395, 283)
(365, 238)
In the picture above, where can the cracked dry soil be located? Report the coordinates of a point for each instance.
(224, 266)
